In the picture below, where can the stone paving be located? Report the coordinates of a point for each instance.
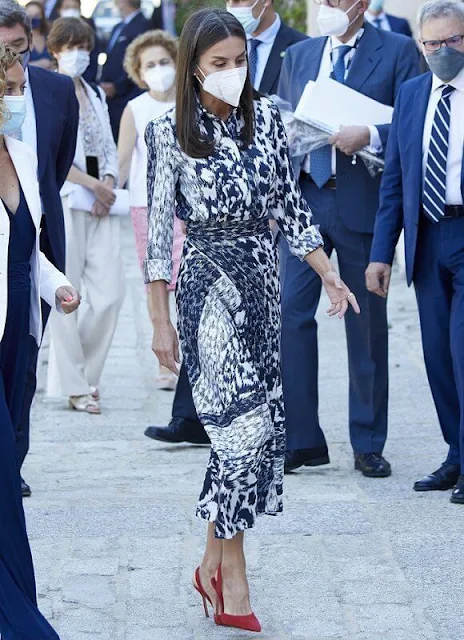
(115, 538)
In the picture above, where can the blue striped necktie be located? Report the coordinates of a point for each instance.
(253, 58)
(434, 195)
(321, 159)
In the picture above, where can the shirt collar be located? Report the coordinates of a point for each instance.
(457, 82)
(269, 35)
(370, 16)
(335, 42)
(130, 17)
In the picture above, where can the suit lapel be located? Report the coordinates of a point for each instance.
(274, 63)
(312, 63)
(19, 154)
(414, 140)
(44, 109)
(366, 58)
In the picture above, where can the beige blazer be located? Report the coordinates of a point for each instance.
(45, 278)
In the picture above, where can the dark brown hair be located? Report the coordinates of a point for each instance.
(202, 31)
(70, 32)
(43, 17)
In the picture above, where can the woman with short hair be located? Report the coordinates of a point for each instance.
(80, 345)
(222, 156)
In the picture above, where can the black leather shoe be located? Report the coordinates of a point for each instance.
(25, 489)
(297, 458)
(444, 478)
(457, 496)
(372, 465)
(177, 432)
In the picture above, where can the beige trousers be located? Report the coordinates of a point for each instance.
(79, 343)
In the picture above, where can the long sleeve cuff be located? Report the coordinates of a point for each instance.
(375, 145)
(307, 242)
(155, 269)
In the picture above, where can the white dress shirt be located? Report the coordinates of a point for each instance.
(384, 23)
(29, 128)
(456, 135)
(329, 59)
(267, 39)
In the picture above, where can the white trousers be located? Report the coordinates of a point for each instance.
(79, 343)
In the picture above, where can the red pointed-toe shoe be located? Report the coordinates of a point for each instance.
(248, 623)
(199, 587)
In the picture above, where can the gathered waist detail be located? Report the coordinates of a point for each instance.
(228, 230)
(19, 276)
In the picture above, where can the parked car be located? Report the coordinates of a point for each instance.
(106, 16)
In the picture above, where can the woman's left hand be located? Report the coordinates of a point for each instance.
(69, 298)
(339, 295)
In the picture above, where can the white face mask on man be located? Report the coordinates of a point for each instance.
(159, 78)
(226, 85)
(333, 21)
(73, 63)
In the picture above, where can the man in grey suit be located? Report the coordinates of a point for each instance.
(344, 199)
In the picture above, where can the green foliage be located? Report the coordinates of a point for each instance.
(293, 12)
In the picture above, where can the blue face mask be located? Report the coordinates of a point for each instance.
(15, 114)
(376, 6)
(25, 57)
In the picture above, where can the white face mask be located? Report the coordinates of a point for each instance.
(246, 18)
(226, 85)
(73, 63)
(160, 78)
(70, 13)
(333, 21)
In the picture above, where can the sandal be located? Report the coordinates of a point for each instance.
(84, 403)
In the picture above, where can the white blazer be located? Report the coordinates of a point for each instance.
(110, 151)
(45, 278)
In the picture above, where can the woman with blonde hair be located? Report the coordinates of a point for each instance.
(25, 277)
(151, 64)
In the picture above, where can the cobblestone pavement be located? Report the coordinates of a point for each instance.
(115, 539)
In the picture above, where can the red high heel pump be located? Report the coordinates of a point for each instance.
(199, 587)
(248, 623)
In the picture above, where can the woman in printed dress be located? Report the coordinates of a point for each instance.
(223, 160)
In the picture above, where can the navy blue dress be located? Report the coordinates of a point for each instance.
(19, 617)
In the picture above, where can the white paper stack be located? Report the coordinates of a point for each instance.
(333, 104)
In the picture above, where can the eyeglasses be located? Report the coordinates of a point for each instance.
(331, 3)
(435, 45)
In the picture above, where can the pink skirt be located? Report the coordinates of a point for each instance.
(140, 224)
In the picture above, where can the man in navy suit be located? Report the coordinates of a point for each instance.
(344, 199)
(268, 40)
(423, 191)
(51, 130)
(115, 82)
(377, 16)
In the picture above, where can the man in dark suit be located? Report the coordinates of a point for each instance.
(51, 129)
(423, 191)
(268, 40)
(164, 17)
(273, 38)
(344, 199)
(119, 89)
(377, 16)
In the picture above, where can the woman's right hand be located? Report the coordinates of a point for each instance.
(104, 194)
(166, 346)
